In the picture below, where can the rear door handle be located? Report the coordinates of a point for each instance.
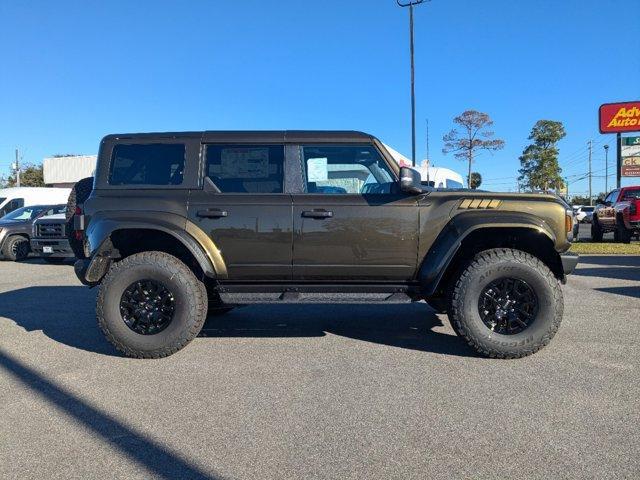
(317, 214)
(212, 213)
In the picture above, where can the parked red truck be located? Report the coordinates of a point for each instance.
(618, 213)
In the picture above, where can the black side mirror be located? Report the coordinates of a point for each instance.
(410, 181)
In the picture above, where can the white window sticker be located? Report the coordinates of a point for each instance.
(317, 170)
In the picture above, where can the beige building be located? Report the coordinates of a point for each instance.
(65, 171)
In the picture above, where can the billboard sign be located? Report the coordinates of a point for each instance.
(630, 141)
(620, 117)
(630, 167)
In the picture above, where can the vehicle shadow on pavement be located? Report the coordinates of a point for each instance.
(620, 267)
(627, 291)
(67, 315)
(404, 326)
(64, 314)
(159, 460)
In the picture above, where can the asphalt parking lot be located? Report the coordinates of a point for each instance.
(318, 391)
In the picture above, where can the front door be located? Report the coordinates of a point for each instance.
(244, 210)
(351, 223)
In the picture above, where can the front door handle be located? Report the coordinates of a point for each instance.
(317, 214)
(212, 213)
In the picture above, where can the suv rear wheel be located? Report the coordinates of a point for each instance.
(150, 305)
(506, 304)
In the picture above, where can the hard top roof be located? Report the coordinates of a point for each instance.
(266, 136)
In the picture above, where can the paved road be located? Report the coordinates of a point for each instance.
(319, 391)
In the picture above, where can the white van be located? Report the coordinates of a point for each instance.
(16, 197)
(440, 177)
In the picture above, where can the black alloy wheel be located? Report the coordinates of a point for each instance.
(147, 307)
(508, 306)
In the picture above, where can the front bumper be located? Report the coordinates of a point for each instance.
(569, 262)
(59, 248)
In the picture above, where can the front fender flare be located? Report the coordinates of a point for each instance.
(447, 244)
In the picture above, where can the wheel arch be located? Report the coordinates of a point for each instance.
(113, 239)
(461, 240)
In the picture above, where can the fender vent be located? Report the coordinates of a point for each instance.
(477, 203)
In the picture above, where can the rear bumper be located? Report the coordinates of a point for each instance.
(569, 262)
(59, 248)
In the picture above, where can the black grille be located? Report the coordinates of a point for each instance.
(50, 230)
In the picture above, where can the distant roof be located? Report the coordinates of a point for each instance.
(258, 135)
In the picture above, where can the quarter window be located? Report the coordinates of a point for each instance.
(147, 164)
(246, 168)
(346, 169)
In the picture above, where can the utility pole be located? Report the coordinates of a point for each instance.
(428, 157)
(17, 167)
(606, 169)
(590, 197)
(411, 4)
(618, 159)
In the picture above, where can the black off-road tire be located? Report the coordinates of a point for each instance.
(494, 264)
(16, 248)
(622, 233)
(79, 194)
(596, 230)
(190, 304)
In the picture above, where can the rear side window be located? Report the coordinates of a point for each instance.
(246, 168)
(150, 164)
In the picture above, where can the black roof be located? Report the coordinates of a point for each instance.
(267, 136)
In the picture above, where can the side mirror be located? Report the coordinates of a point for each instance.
(410, 181)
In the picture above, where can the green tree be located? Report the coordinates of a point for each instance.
(539, 161)
(30, 176)
(475, 136)
(475, 181)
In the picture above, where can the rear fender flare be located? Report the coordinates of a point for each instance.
(188, 234)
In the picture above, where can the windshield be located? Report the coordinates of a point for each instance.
(24, 213)
(2, 199)
(587, 209)
(29, 213)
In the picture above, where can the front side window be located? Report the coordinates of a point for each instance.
(346, 169)
(246, 168)
(631, 194)
(147, 164)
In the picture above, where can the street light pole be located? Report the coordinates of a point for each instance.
(411, 4)
(606, 169)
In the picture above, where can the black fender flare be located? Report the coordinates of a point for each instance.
(196, 241)
(448, 242)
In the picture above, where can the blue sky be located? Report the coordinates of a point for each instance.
(75, 71)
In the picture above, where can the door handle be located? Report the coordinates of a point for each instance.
(212, 213)
(317, 214)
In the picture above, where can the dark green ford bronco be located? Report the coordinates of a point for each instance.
(181, 225)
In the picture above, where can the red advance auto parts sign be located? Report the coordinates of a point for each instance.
(620, 117)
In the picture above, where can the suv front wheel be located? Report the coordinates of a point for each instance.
(150, 305)
(506, 304)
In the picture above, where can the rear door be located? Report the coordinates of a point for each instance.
(350, 222)
(243, 209)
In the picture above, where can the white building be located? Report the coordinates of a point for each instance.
(65, 171)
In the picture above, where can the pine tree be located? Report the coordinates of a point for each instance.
(539, 160)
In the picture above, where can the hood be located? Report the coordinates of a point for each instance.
(12, 223)
(57, 218)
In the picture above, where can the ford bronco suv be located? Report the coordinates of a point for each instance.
(182, 225)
